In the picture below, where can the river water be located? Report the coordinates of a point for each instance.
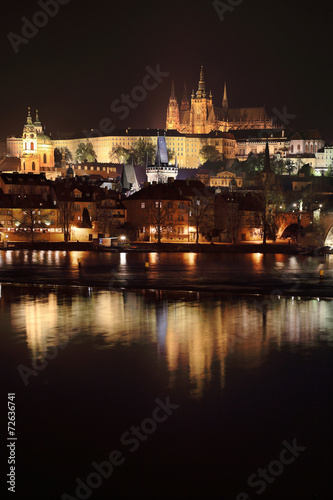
(203, 395)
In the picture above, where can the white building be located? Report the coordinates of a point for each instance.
(324, 159)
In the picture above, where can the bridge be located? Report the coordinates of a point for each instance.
(326, 221)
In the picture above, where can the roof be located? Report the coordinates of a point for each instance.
(25, 201)
(129, 179)
(262, 134)
(29, 178)
(305, 135)
(10, 163)
(158, 192)
(243, 114)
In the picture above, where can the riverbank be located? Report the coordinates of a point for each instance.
(282, 248)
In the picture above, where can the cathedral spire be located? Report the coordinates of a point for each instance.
(225, 99)
(29, 120)
(185, 105)
(201, 93)
(172, 121)
(267, 161)
(38, 124)
(158, 154)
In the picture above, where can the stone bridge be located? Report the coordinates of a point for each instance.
(326, 221)
(288, 218)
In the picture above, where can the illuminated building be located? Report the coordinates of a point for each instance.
(200, 116)
(37, 148)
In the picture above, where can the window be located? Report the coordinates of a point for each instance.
(33, 166)
(44, 158)
(143, 205)
(32, 146)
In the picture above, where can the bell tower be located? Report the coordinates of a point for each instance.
(29, 158)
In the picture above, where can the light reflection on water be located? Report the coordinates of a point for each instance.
(191, 335)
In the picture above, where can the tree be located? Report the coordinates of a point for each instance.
(233, 217)
(278, 165)
(200, 214)
(329, 171)
(171, 154)
(86, 222)
(143, 152)
(30, 218)
(289, 166)
(254, 162)
(66, 209)
(120, 154)
(85, 152)
(58, 152)
(268, 215)
(158, 215)
(210, 153)
(214, 167)
(107, 217)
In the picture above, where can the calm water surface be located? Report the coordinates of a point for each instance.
(247, 373)
(191, 271)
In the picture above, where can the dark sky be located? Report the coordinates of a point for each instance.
(91, 52)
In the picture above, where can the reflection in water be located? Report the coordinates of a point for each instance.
(197, 339)
(190, 258)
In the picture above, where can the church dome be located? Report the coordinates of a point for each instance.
(43, 139)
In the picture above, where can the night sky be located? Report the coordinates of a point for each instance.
(91, 52)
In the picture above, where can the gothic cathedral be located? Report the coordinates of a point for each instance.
(201, 117)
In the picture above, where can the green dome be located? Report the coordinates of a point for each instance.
(41, 138)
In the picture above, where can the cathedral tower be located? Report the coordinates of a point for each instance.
(202, 118)
(172, 121)
(185, 105)
(225, 100)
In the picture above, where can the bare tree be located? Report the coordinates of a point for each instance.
(201, 212)
(268, 214)
(158, 215)
(30, 218)
(66, 208)
(234, 216)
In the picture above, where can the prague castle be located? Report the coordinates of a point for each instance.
(234, 132)
(201, 116)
